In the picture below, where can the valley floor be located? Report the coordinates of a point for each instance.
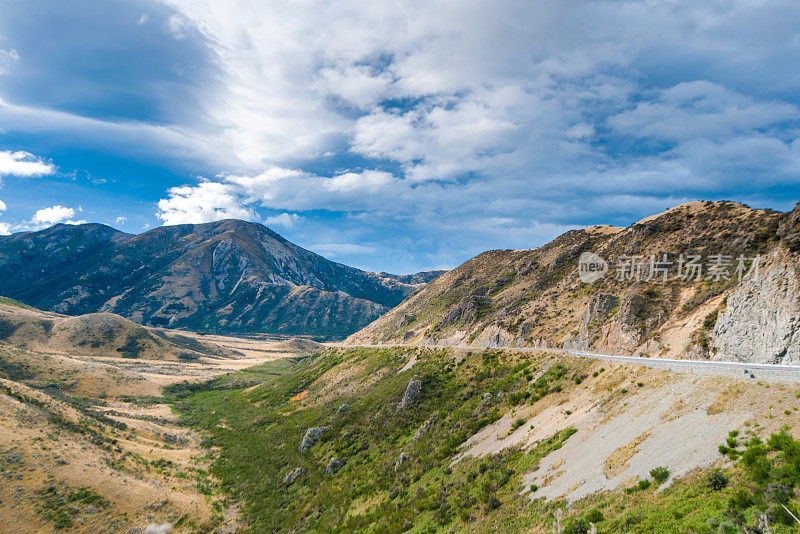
(89, 444)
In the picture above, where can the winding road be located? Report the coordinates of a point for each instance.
(738, 370)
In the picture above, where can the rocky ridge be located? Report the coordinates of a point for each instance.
(536, 298)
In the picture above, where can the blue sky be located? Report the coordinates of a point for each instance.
(394, 137)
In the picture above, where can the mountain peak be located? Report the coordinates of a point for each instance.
(226, 276)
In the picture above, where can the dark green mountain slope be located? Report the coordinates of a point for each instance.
(227, 276)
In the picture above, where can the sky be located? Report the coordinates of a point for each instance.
(394, 136)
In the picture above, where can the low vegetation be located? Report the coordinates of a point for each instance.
(376, 467)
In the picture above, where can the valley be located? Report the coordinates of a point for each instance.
(87, 440)
(503, 395)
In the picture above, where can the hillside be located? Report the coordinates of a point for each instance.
(535, 297)
(96, 334)
(227, 276)
(452, 440)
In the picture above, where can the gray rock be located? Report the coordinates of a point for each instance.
(761, 319)
(413, 392)
(333, 466)
(291, 476)
(401, 460)
(343, 408)
(311, 437)
(164, 528)
(425, 426)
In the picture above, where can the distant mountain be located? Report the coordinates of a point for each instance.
(535, 297)
(226, 276)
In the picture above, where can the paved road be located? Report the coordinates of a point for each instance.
(747, 371)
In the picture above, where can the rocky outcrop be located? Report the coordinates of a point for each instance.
(400, 462)
(333, 466)
(293, 475)
(311, 436)
(412, 394)
(597, 312)
(761, 319)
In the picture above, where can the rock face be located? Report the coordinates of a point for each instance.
(412, 394)
(226, 276)
(761, 319)
(311, 436)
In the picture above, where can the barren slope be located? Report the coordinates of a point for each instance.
(535, 298)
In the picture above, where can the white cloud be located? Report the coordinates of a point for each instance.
(46, 217)
(176, 25)
(143, 19)
(205, 202)
(7, 60)
(54, 214)
(5, 229)
(23, 164)
(120, 220)
(700, 110)
(3, 206)
(284, 219)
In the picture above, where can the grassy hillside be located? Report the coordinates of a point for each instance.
(390, 456)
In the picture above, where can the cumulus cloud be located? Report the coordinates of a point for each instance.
(700, 110)
(490, 125)
(205, 202)
(23, 164)
(54, 214)
(46, 217)
(120, 220)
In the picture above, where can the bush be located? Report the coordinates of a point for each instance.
(644, 484)
(716, 480)
(741, 499)
(579, 526)
(518, 423)
(595, 516)
(660, 474)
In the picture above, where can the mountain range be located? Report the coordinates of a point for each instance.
(229, 276)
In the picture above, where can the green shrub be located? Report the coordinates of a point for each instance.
(594, 516)
(716, 480)
(660, 474)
